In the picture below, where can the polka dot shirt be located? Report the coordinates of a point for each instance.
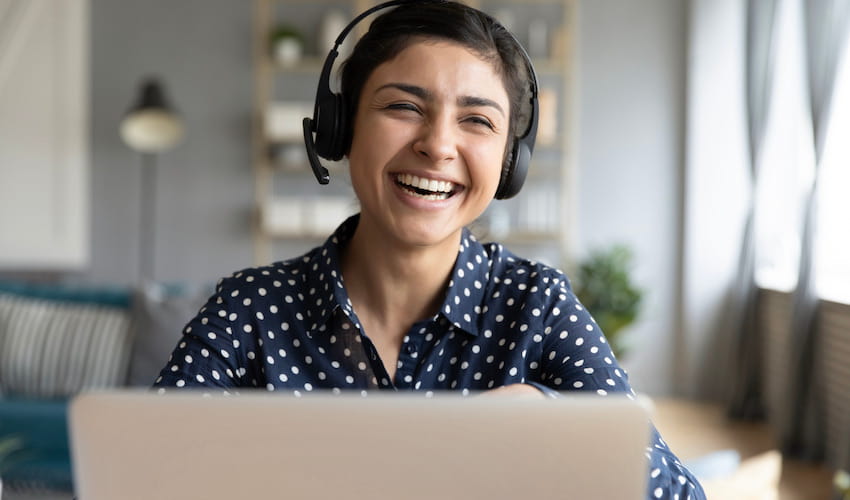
(290, 326)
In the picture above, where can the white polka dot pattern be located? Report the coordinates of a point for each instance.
(291, 326)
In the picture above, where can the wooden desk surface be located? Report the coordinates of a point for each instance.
(694, 429)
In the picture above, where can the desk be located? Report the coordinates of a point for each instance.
(694, 429)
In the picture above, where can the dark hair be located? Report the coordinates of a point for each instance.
(395, 30)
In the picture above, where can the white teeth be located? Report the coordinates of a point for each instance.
(432, 197)
(439, 190)
(425, 184)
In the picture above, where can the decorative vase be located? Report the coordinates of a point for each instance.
(288, 51)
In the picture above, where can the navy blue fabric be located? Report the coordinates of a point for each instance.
(290, 326)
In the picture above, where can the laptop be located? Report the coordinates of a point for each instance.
(186, 445)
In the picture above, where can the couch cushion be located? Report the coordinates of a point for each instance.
(55, 343)
(160, 312)
(120, 297)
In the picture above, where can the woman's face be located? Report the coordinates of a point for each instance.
(428, 143)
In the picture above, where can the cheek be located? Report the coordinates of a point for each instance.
(361, 151)
(366, 159)
(358, 169)
(488, 167)
(369, 137)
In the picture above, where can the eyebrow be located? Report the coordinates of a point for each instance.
(425, 94)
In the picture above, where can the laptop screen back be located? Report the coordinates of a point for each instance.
(139, 445)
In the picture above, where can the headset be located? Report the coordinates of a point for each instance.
(329, 122)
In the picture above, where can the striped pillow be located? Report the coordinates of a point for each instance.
(53, 349)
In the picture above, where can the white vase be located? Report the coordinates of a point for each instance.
(288, 51)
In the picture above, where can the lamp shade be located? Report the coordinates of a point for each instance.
(151, 125)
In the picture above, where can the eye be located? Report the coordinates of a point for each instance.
(403, 106)
(480, 121)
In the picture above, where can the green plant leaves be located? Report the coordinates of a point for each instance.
(604, 285)
(10, 447)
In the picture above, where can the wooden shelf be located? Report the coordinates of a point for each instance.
(552, 165)
(307, 65)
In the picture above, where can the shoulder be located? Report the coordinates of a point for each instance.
(315, 271)
(509, 270)
(525, 290)
(282, 276)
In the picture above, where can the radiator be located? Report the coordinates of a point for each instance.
(833, 359)
(774, 320)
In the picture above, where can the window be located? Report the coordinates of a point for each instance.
(832, 244)
(788, 171)
(787, 163)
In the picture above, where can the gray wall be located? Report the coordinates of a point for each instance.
(630, 139)
(202, 51)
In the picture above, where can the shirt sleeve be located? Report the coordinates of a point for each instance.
(576, 356)
(208, 353)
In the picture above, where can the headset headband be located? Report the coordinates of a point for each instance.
(328, 122)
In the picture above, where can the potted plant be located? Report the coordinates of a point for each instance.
(287, 45)
(9, 448)
(842, 485)
(604, 285)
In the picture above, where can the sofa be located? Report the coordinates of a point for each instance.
(58, 340)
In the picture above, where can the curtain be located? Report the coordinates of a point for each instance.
(826, 24)
(716, 190)
(745, 391)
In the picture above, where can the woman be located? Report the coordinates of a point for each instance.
(402, 296)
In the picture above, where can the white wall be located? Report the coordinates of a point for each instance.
(630, 136)
(201, 50)
(44, 134)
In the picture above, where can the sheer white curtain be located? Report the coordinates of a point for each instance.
(787, 159)
(760, 158)
(832, 274)
(717, 187)
(826, 24)
(760, 55)
(786, 175)
(731, 73)
(832, 244)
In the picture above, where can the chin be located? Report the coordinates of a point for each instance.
(428, 234)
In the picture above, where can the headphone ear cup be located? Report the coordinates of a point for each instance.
(513, 177)
(326, 125)
(342, 132)
(507, 169)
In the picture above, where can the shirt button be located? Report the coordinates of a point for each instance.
(410, 349)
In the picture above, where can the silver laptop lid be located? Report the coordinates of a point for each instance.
(139, 445)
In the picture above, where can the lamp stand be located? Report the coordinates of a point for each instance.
(147, 218)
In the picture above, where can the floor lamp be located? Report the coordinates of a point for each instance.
(150, 127)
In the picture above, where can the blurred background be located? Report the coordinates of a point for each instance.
(691, 165)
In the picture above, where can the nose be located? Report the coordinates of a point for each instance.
(437, 140)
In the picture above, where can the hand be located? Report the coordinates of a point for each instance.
(516, 391)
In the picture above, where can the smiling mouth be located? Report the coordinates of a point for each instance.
(428, 189)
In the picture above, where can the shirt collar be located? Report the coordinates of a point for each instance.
(467, 286)
(464, 296)
(324, 274)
